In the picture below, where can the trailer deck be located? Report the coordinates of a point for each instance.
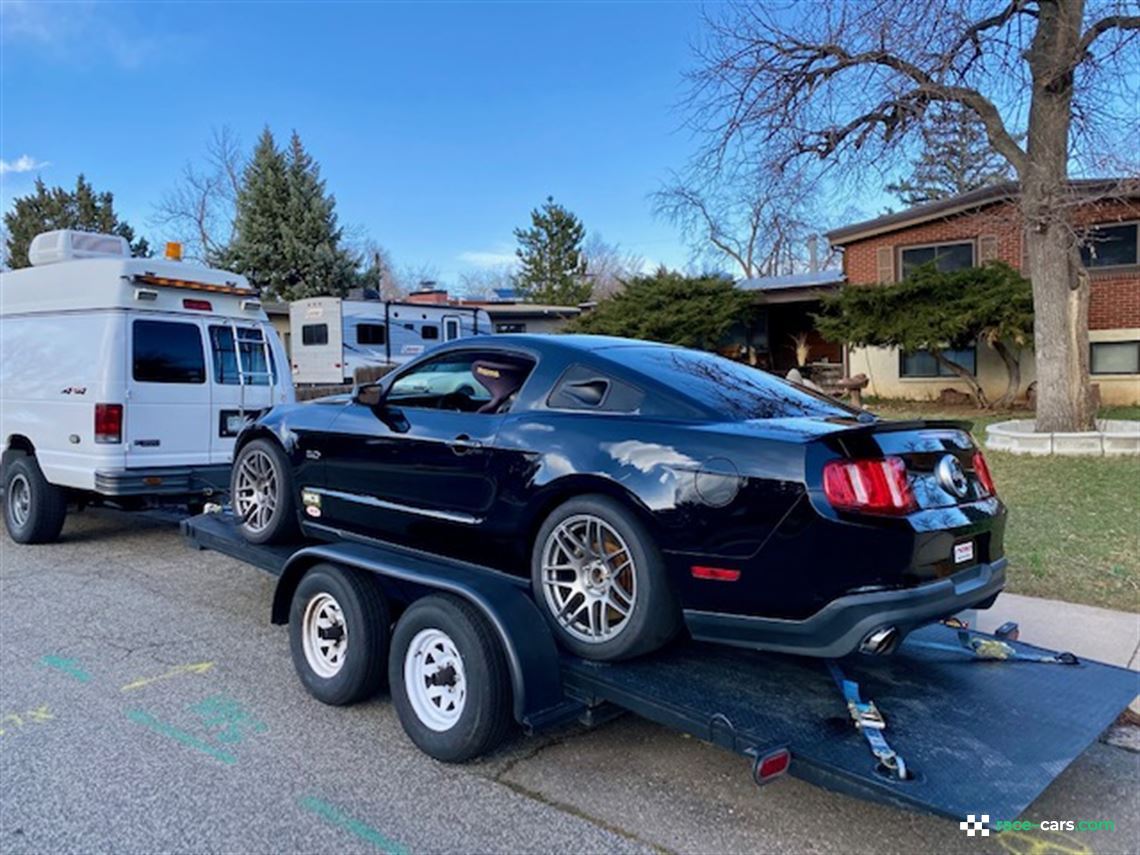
(979, 736)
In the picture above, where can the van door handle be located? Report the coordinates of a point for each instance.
(463, 444)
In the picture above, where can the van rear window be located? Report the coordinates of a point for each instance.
(315, 334)
(167, 352)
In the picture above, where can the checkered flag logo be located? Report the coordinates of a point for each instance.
(972, 825)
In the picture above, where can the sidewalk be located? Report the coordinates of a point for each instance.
(1095, 633)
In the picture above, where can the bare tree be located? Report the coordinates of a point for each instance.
(481, 284)
(848, 82)
(378, 273)
(758, 222)
(200, 210)
(609, 265)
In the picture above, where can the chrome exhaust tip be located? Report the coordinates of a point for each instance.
(880, 642)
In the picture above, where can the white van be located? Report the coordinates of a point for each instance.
(331, 338)
(124, 379)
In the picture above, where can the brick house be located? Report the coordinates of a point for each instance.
(985, 225)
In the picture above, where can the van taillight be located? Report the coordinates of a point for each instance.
(198, 305)
(876, 486)
(982, 470)
(109, 423)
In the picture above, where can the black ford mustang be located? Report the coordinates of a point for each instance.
(643, 488)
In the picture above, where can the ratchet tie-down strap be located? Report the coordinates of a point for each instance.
(868, 721)
(986, 647)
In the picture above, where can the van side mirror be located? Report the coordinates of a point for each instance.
(369, 396)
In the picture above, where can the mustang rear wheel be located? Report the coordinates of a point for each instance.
(261, 489)
(601, 581)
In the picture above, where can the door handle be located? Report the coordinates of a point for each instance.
(463, 444)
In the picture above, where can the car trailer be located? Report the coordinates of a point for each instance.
(976, 734)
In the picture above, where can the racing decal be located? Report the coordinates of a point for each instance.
(312, 503)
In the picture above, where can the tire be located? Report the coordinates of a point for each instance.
(262, 493)
(471, 715)
(330, 598)
(605, 615)
(34, 510)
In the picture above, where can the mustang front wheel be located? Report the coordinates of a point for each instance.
(261, 489)
(601, 581)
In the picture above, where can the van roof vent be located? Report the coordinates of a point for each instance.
(69, 244)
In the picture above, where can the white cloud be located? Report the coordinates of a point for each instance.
(488, 260)
(79, 31)
(23, 163)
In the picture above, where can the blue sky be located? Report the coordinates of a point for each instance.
(437, 126)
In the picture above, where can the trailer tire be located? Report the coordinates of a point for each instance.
(34, 510)
(339, 627)
(262, 475)
(471, 713)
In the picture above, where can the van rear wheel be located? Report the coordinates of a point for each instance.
(261, 490)
(34, 510)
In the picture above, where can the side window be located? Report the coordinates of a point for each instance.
(315, 334)
(451, 329)
(371, 334)
(253, 351)
(471, 382)
(584, 388)
(509, 327)
(167, 352)
(429, 332)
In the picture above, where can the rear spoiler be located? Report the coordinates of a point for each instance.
(855, 440)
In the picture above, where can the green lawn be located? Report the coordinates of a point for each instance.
(1074, 522)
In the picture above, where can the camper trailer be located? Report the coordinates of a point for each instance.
(332, 338)
(124, 379)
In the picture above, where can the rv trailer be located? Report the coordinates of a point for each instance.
(332, 338)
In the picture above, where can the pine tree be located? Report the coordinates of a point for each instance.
(956, 158)
(317, 263)
(257, 247)
(45, 210)
(550, 251)
(286, 238)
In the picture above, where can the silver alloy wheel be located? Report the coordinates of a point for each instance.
(435, 680)
(589, 578)
(324, 635)
(255, 490)
(19, 500)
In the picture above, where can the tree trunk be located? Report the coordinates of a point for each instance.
(1060, 290)
(976, 389)
(1013, 374)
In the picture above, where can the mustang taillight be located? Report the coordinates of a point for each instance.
(876, 486)
(982, 470)
(108, 423)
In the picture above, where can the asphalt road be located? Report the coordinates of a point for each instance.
(147, 705)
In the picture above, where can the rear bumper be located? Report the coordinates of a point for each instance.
(164, 481)
(838, 628)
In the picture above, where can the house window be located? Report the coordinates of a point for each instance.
(921, 363)
(1111, 246)
(1115, 357)
(315, 334)
(946, 257)
(371, 334)
(510, 328)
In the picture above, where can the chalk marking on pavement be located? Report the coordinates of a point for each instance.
(336, 817)
(36, 716)
(196, 668)
(181, 736)
(70, 667)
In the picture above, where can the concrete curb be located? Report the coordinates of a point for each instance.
(1114, 437)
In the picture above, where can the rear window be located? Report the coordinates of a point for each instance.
(167, 352)
(253, 354)
(735, 391)
(315, 334)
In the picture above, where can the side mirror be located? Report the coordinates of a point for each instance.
(369, 396)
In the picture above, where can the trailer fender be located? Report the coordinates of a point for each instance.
(530, 650)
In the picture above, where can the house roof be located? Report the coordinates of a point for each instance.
(1089, 188)
(814, 279)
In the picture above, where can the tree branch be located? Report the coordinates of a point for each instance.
(1112, 22)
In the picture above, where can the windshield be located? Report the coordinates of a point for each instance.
(735, 391)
